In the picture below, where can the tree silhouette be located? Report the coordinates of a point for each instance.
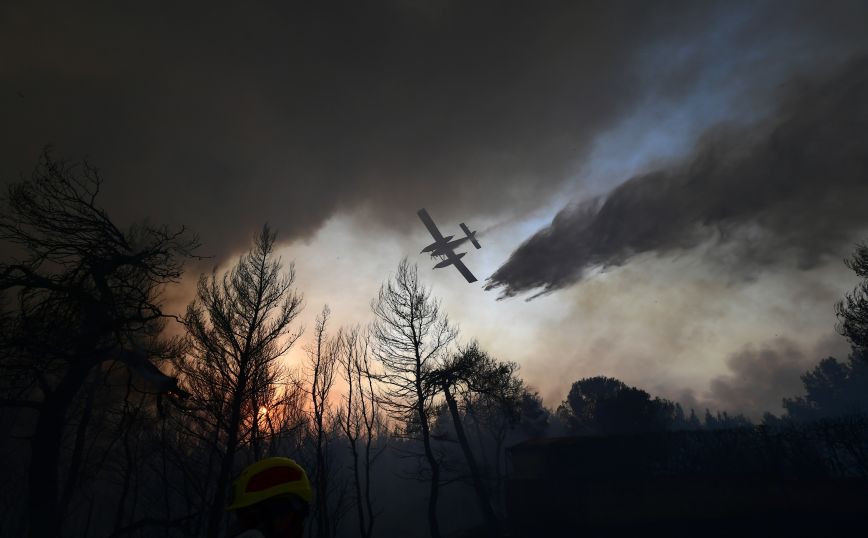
(835, 388)
(323, 355)
(412, 337)
(832, 388)
(533, 415)
(472, 372)
(360, 421)
(238, 326)
(604, 405)
(86, 292)
(852, 311)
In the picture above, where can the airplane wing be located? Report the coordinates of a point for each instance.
(432, 228)
(470, 235)
(456, 261)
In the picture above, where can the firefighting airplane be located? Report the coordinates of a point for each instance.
(444, 247)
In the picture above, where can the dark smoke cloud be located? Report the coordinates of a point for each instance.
(790, 189)
(225, 115)
(761, 376)
(760, 379)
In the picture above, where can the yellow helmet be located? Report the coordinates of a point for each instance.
(269, 478)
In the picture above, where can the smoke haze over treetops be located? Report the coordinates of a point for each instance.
(790, 189)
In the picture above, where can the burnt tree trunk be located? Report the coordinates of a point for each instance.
(44, 477)
(478, 486)
(218, 511)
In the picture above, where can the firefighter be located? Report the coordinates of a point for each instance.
(271, 499)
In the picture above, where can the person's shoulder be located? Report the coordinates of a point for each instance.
(252, 533)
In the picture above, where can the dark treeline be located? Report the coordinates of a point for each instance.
(122, 420)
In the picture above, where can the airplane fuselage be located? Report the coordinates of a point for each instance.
(437, 245)
(440, 248)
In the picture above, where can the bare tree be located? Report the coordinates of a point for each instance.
(322, 362)
(283, 418)
(360, 420)
(412, 339)
(238, 326)
(85, 292)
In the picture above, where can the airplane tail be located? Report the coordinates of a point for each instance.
(470, 235)
(447, 261)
